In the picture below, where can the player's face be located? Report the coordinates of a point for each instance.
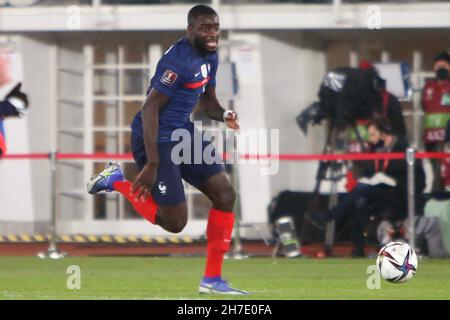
(441, 64)
(205, 33)
(374, 135)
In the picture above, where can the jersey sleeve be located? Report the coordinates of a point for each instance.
(168, 78)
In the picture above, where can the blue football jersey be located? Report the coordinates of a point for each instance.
(181, 74)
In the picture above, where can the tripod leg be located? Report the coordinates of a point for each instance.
(321, 173)
(329, 238)
(330, 229)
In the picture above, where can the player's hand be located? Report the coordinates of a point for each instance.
(144, 182)
(231, 120)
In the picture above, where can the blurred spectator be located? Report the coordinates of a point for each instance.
(446, 162)
(15, 103)
(436, 104)
(381, 189)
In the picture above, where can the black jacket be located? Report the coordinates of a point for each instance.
(393, 112)
(398, 170)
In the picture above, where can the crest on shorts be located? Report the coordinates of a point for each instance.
(162, 188)
(169, 77)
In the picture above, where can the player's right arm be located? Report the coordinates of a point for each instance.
(165, 84)
(150, 110)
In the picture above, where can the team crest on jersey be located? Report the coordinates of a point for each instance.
(204, 71)
(169, 77)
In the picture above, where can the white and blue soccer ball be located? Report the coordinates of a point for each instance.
(397, 262)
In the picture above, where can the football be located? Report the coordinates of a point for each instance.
(397, 262)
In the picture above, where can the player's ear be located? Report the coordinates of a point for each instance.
(190, 30)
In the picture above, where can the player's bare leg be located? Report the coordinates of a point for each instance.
(172, 218)
(220, 227)
(219, 190)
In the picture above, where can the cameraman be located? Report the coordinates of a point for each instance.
(377, 196)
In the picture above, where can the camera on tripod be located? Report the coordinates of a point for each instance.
(345, 94)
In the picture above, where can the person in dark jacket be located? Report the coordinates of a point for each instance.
(381, 188)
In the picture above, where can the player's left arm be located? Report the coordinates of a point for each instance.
(210, 105)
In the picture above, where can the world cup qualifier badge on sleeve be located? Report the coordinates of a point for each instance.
(169, 77)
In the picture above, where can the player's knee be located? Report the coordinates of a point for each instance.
(225, 200)
(177, 226)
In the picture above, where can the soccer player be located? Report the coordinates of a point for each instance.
(184, 76)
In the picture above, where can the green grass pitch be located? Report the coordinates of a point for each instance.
(178, 278)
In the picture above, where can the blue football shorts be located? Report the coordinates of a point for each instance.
(168, 189)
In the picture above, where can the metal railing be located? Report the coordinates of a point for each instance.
(409, 156)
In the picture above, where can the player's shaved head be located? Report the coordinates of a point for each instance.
(199, 10)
